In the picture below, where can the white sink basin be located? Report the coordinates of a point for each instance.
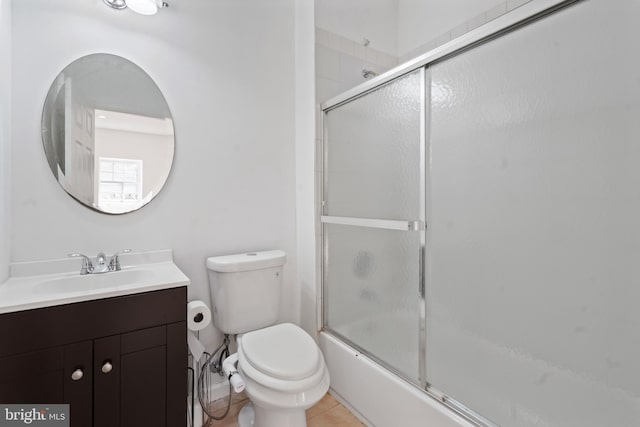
(93, 282)
(48, 283)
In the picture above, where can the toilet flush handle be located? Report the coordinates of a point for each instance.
(230, 371)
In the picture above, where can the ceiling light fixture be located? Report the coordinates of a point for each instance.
(146, 7)
(116, 4)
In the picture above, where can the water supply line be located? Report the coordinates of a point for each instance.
(204, 375)
(230, 371)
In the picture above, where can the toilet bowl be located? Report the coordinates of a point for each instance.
(284, 374)
(281, 366)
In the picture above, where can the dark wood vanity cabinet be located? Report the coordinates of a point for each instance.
(45, 376)
(118, 362)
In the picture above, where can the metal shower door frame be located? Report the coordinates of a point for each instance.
(410, 225)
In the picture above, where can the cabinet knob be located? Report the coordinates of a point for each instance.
(107, 367)
(77, 375)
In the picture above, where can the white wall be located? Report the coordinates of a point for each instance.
(305, 164)
(5, 137)
(357, 19)
(226, 70)
(420, 21)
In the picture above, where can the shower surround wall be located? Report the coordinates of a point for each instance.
(426, 24)
(340, 61)
(402, 29)
(358, 19)
(5, 137)
(225, 69)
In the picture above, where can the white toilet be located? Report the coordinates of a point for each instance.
(281, 366)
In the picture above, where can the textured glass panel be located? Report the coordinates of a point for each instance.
(373, 167)
(371, 292)
(533, 315)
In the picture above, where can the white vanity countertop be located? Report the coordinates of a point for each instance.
(48, 283)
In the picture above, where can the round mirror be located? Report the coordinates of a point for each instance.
(108, 133)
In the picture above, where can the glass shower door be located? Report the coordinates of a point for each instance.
(373, 223)
(534, 234)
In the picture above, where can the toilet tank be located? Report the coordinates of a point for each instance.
(245, 290)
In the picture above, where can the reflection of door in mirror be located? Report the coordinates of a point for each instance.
(79, 158)
(132, 152)
(53, 126)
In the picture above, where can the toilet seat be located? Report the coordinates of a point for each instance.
(282, 351)
(281, 357)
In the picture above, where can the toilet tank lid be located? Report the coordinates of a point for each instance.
(247, 261)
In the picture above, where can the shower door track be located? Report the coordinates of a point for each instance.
(467, 413)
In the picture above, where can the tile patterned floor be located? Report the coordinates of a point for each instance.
(326, 413)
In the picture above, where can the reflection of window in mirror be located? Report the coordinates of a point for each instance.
(123, 143)
(120, 186)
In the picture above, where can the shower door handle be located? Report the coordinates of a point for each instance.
(386, 224)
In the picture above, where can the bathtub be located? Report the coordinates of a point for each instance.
(378, 397)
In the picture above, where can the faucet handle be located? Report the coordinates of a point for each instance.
(114, 264)
(87, 265)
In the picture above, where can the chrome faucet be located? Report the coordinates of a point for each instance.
(87, 266)
(101, 265)
(114, 264)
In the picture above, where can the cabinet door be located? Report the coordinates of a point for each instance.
(106, 373)
(78, 393)
(47, 376)
(143, 377)
(133, 373)
(36, 377)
